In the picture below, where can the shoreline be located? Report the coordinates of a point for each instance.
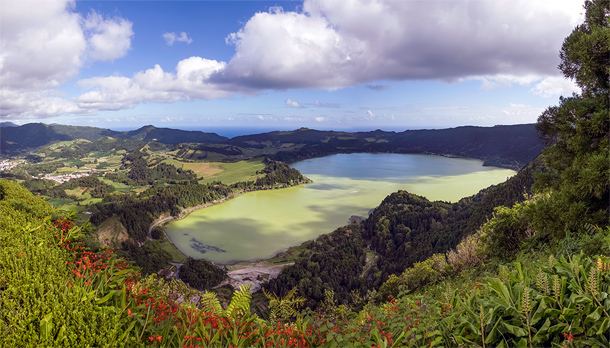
(163, 219)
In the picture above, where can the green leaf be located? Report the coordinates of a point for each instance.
(491, 337)
(46, 325)
(501, 289)
(593, 317)
(107, 297)
(603, 328)
(522, 343)
(515, 330)
(542, 333)
(123, 336)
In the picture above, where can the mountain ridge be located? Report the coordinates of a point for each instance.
(33, 135)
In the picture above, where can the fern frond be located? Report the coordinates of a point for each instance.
(209, 303)
(240, 301)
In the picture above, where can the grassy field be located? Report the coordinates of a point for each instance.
(234, 172)
(202, 169)
(177, 255)
(226, 173)
(77, 192)
(118, 186)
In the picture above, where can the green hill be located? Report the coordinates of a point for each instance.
(33, 135)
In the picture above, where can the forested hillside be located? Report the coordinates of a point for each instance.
(503, 146)
(33, 135)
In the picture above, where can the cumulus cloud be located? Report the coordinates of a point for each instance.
(294, 104)
(43, 44)
(334, 44)
(172, 37)
(190, 81)
(555, 85)
(108, 38)
(326, 44)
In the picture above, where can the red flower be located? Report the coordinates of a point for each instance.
(129, 312)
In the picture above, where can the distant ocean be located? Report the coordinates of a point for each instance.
(232, 132)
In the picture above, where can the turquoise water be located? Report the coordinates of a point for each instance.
(258, 225)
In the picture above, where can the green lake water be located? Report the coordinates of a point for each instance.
(258, 225)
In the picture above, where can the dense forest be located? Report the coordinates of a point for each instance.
(201, 274)
(333, 261)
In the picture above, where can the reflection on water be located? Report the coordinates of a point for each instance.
(260, 224)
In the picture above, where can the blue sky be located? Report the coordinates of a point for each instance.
(340, 64)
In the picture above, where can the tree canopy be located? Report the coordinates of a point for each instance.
(578, 128)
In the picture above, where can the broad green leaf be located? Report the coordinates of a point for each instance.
(46, 325)
(491, 337)
(539, 313)
(522, 343)
(542, 333)
(593, 317)
(515, 330)
(603, 327)
(107, 297)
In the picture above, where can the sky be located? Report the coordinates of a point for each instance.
(323, 64)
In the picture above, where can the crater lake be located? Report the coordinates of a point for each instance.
(258, 225)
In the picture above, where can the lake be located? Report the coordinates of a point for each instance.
(258, 225)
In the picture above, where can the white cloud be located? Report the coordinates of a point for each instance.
(172, 37)
(319, 119)
(327, 44)
(555, 85)
(334, 44)
(109, 38)
(294, 104)
(43, 44)
(371, 114)
(33, 104)
(191, 81)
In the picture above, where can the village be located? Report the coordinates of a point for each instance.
(66, 177)
(9, 164)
